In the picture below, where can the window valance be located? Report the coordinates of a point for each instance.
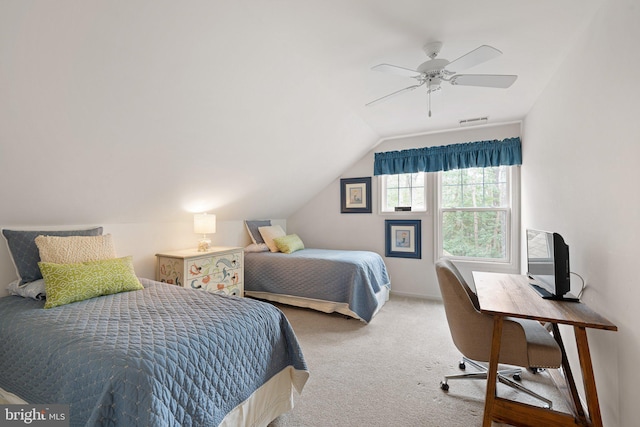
(446, 157)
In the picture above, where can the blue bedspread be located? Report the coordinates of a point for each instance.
(162, 356)
(351, 277)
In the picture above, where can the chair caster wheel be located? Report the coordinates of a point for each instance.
(444, 386)
(517, 377)
(462, 366)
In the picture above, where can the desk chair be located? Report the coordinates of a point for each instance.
(525, 342)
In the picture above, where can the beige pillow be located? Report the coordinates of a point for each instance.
(75, 249)
(270, 233)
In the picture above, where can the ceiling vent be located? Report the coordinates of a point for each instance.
(474, 122)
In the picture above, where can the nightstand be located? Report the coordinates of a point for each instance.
(220, 270)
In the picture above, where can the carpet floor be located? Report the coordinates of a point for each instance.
(388, 373)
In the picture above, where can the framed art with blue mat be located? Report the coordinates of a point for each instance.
(355, 195)
(402, 238)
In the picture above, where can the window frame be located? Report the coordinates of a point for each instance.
(512, 240)
(382, 192)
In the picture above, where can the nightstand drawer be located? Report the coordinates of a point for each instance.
(218, 284)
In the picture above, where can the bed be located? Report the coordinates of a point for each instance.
(353, 283)
(160, 356)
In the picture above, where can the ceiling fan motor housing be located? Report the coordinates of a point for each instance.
(433, 67)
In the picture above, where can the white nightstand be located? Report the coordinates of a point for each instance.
(219, 270)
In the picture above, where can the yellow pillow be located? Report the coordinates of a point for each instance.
(67, 283)
(289, 243)
(74, 249)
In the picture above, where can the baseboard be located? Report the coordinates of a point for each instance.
(417, 296)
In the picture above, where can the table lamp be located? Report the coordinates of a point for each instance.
(204, 224)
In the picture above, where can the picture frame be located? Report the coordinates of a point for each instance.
(403, 238)
(355, 195)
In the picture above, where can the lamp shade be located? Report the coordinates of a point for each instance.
(204, 223)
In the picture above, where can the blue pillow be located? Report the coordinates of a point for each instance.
(24, 252)
(254, 233)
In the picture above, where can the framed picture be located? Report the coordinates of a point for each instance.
(355, 195)
(402, 238)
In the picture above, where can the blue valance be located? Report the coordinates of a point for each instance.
(446, 157)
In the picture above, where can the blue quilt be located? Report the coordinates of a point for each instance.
(351, 277)
(161, 356)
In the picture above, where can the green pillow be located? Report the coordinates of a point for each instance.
(67, 283)
(289, 243)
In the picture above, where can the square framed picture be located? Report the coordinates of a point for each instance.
(402, 238)
(355, 195)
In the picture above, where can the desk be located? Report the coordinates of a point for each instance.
(503, 295)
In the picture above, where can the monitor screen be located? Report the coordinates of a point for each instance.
(548, 263)
(540, 258)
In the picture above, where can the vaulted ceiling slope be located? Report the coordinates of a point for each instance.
(142, 110)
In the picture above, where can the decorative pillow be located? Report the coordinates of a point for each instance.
(252, 228)
(257, 247)
(74, 249)
(270, 233)
(67, 283)
(289, 243)
(33, 289)
(24, 252)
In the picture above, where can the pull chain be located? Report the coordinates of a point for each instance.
(429, 88)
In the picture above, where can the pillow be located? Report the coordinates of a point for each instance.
(67, 283)
(257, 247)
(289, 243)
(24, 252)
(270, 233)
(252, 228)
(74, 249)
(33, 289)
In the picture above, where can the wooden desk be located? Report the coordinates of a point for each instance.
(503, 295)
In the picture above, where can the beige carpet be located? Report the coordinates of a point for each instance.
(387, 373)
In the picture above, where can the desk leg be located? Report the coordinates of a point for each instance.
(587, 376)
(492, 376)
(576, 406)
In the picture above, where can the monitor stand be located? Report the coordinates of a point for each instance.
(548, 295)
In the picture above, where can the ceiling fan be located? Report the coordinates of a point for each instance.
(436, 70)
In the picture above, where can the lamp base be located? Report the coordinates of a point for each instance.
(204, 245)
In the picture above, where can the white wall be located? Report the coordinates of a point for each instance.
(142, 241)
(579, 177)
(321, 225)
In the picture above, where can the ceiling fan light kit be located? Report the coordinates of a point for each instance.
(434, 71)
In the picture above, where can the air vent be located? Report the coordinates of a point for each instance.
(474, 122)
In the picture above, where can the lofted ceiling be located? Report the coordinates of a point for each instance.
(144, 110)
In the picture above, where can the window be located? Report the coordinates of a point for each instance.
(405, 190)
(475, 213)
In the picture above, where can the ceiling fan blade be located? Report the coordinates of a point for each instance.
(398, 92)
(394, 69)
(484, 80)
(475, 57)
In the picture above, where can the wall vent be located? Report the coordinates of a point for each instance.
(474, 122)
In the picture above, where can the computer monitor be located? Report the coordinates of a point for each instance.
(548, 265)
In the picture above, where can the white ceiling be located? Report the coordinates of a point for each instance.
(245, 108)
(533, 36)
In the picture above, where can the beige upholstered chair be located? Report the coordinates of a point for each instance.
(525, 342)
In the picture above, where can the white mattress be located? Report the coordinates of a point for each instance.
(320, 305)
